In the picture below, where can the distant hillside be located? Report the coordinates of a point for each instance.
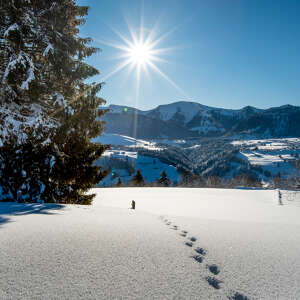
(283, 121)
(192, 120)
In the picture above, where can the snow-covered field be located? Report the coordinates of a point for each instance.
(150, 167)
(123, 140)
(273, 155)
(177, 244)
(280, 143)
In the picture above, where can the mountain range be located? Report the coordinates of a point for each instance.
(194, 120)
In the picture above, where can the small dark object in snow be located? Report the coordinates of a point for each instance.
(214, 269)
(189, 244)
(214, 282)
(200, 250)
(198, 258)
(132, 204)
(280, 198)
(238, 296)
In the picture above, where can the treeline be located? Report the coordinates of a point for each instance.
(190, 180)
(138, 180)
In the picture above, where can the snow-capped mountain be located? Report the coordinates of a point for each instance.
(190, 120)
(280, 121)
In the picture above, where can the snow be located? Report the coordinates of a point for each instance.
(12, 27)
(30, 75)
(166, 141)
(150, 167)
(206, 127)
(123, 140)
(48, 49)
(273, 155)
(248, 245)
(187, 109)
(14, 123)
(270, 143)
(59, 100)
(24, 60)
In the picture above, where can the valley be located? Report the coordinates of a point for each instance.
(262, 160)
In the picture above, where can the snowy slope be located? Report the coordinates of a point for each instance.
(117, 139)
(186, 109)
(241, 245)
(150, 167)
(273, 155)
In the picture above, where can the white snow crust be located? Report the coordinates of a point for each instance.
(248, 244)
(150, 167)
(273, 155)
(123, 140)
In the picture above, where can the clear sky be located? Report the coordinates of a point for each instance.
(223, 53)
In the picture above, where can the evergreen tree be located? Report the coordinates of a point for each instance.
(137, 179)
(164, 180)
(45, 106)
(119, 183)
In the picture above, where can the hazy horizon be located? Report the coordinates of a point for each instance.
(191, 101)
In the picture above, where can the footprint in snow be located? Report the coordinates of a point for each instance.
(175, 227)
(184, 231)
(214, 269)
(238, 296)
(169, 223)
(200, 251)
(214, 282)
(190, 244)
(198, 258)
(193, 239)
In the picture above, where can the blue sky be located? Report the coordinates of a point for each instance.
(225, 53)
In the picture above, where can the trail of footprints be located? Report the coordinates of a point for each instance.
(213, 269)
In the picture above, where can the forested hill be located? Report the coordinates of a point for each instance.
(191, 119)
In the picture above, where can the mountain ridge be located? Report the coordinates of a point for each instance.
(185, 119)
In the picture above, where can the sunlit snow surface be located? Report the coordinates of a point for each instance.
(273, 155)
(177, 244)
(123, 140)
(150, 167)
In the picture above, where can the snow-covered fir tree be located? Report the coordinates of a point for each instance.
(45, 106)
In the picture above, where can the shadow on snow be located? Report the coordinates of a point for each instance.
(8, 209)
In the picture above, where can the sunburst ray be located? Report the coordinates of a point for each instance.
(141, 52)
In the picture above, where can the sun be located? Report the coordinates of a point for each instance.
(140, 54)
(140, 51)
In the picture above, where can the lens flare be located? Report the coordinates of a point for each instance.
(140, 54)
(140, 51)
